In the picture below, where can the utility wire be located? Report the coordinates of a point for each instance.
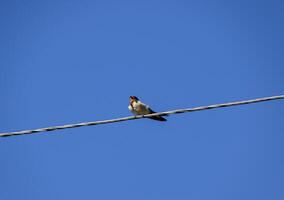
(53, 128)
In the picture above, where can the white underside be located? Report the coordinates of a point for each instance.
(139, 108)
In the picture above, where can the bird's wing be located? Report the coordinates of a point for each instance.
(150, 110)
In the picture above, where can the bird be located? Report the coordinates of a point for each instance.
(139, 108)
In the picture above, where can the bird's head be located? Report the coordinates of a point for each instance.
(134, 98)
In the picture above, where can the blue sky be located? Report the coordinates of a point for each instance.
(74, 61)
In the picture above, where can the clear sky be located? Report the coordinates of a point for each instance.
(80, 60)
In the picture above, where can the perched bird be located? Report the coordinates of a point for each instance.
(139, 108)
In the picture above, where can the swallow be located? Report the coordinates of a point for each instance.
(139, 108)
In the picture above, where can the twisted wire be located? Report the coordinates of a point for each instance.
(93, 123)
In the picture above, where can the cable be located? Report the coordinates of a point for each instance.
(53, 128)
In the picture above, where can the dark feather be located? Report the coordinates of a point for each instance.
(159, 118)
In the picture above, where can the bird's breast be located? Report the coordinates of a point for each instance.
(140, 109)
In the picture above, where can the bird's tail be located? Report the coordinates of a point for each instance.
(159, 118)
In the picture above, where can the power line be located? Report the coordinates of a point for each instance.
(53, 128)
